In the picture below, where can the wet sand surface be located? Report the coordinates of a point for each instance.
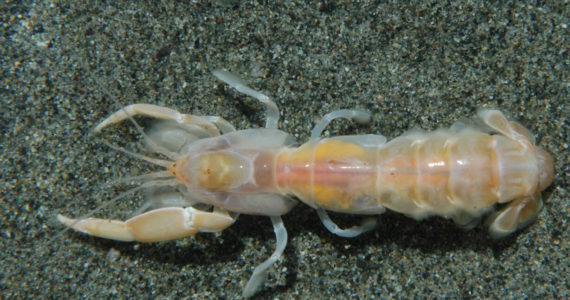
(412, 66)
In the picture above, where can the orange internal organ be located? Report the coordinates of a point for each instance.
(331, 174)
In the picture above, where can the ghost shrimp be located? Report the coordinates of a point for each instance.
(215, 172)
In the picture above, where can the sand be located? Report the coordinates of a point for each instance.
(412, 66)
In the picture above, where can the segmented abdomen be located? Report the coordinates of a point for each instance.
(440, 173)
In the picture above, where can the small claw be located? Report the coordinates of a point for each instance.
(158, 112)
(161, 224)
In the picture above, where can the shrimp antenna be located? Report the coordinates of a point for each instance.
(154, 161)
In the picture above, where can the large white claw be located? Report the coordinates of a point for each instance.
(156, 225)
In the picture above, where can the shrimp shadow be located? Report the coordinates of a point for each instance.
(200, 250)
(203, 249)
(433, 235)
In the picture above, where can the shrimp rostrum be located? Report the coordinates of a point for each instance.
(214, 172)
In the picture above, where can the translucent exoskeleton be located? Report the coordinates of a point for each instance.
(214, 173)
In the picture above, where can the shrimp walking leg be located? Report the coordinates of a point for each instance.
(260, 272)
(350, 114)
(161, 224)
(354, 231)
(272, 118)
(272, 114)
